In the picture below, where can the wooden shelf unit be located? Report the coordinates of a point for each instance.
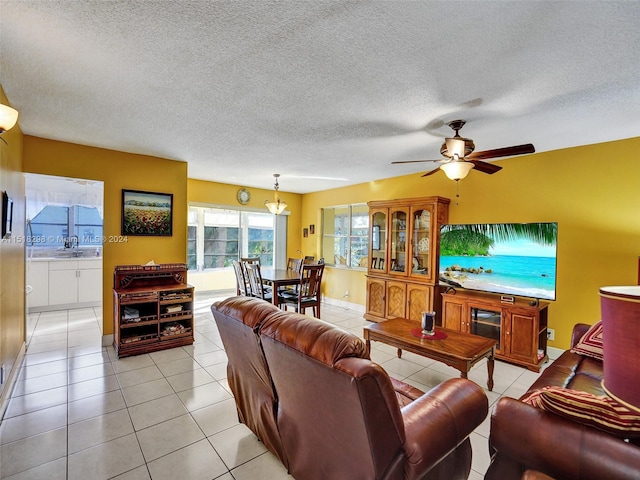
(402, 275)
(520, 328)
(153, 308)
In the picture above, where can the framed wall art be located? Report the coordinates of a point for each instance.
(147, 213)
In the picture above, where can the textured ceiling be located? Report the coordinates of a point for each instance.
(333, 90)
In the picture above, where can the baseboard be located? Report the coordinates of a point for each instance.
(554, 352)
(107, 340)
(11, 381)
(344, 304)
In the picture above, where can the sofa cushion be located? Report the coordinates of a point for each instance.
(590, 344)
(599, 411)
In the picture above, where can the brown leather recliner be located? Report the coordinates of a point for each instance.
(339, 415)
(238, 319)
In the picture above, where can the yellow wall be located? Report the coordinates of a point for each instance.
(12, 256)
(596, 206)
(593, 192)
(119, 171)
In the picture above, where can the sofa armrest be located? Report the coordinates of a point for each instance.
(556, 446)
(579, 329)
(440, 420)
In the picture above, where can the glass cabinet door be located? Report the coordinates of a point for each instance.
(487, 323)
(421, 251)
(398, 252)
(378, 240)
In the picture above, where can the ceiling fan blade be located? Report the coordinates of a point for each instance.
(502, 152)
(435, 170)
(485, 167)
(413, 161)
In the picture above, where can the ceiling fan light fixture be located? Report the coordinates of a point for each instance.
(8, 118)
(277, 206)
(457, 169)
(455, 146)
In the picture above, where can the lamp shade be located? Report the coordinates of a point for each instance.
(276, 207)
(620, 308)
(457, 169)
(8, 118)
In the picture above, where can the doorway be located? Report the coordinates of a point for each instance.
(64, 232)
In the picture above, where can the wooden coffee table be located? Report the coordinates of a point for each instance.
(459, 350)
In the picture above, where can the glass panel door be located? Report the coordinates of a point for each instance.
(421, 243)
(398, 254)
(486, 323)
(378, 241)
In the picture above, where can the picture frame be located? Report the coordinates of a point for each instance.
(147, 213)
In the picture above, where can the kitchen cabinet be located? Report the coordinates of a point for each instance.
(75, 281)
(61, 283)
(38, 280)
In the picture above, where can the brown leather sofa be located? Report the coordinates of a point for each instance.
(309, 392)
(524, 437)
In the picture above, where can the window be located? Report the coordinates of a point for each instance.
(345, 235)
(51, 226)
(217, 237)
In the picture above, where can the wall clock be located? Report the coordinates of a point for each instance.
(243, 196)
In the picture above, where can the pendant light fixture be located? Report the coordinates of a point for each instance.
(276, 207)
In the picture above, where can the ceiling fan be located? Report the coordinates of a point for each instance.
(460, 157)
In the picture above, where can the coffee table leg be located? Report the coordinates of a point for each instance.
(490, 372)
(399, 353)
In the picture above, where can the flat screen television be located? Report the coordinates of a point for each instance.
(516, 259)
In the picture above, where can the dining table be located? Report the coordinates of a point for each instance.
(279, 277)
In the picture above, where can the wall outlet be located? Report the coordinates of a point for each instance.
(551, 334)
(346, 294)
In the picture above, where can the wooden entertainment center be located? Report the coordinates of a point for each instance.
(153, 308)
(520, 328)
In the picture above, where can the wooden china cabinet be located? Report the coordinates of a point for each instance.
(404, 240)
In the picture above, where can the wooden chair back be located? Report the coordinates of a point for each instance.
(241, 280)
(294, 264)
(255, 281)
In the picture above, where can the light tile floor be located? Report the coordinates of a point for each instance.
(78, 412)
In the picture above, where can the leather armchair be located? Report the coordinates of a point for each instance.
(339, 416)
(309, 391)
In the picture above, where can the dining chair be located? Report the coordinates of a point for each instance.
(294, 264)
(308, 294)
(242, 287)
(255, 281)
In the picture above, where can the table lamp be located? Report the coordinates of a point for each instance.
(620, 307)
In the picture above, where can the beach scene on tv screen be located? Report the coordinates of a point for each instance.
(507, 258)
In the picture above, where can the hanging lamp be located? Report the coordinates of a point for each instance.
(277, 206)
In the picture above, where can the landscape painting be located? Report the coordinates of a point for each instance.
(146, 213)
